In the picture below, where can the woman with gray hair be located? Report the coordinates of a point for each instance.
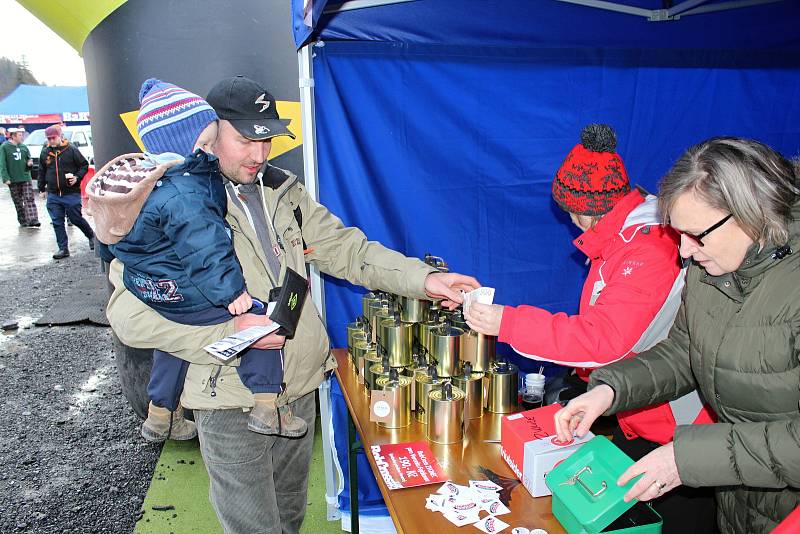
(736, 339)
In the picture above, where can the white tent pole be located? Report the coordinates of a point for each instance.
(611, 6)
(710, 8)
(684, 6)
(348, 5)
(306, 82)
(304, 56)
(688, 7)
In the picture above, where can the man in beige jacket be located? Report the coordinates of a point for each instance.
(259, 482)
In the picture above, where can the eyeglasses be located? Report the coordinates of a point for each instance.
(50, 138)
(698, 238)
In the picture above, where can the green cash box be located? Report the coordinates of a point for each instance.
(586, 498)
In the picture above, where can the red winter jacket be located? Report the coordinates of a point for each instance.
(628, 304)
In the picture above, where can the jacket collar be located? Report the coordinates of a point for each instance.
(594, 241)
(756, 263)
(60, 148)
(199, 162)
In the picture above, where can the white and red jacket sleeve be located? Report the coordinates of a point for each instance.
(637, 278)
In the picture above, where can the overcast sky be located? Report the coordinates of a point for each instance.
(51, 60)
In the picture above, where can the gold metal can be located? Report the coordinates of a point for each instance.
(424, 383)
(370, 359)
(445, 348)
(446, 417)
(472, 385)
(376, 370)
(457, 320)
(380, 315)
(397, 338)
(366, 303)
(478, 349)
(502, 388)
(433, 313)
(412, 310)
(400, 387)
(355, 332)
(375, 306)
(422, 332)
(363, 351)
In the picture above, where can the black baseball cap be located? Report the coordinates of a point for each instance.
(248, 107)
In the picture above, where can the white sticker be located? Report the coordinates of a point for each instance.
(449, 488)
(382, 408)
(460, 519)
(496, 508)
(490, 524)
(484, 485)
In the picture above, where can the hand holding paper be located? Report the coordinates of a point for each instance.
(481, 315)
(227, 348)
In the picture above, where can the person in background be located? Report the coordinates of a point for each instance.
(736, 204)
(15, 170)
(3, 135)
(628, 303)
(61, 169)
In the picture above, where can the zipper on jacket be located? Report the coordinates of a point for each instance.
(58, 184)
(212, 381)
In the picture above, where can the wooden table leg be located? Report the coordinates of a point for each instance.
(352, 471)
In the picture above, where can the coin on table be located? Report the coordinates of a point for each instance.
(520, 530)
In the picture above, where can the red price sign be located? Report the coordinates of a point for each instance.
(405, 465)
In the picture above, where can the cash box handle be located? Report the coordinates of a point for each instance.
(597, 493)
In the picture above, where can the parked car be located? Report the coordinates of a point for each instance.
(80, 136)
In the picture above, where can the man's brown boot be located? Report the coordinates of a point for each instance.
(162, 424)
(267, 418)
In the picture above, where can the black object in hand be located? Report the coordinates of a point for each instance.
(289, 300)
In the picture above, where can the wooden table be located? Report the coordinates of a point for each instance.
(460, 461)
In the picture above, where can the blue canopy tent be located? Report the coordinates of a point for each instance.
(40, 105)
(439, 124)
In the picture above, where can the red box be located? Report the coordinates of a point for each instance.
(519, 428)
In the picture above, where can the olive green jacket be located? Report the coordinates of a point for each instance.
(737, 340)
(335, 249)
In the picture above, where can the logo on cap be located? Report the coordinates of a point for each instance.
(259, 129)
(264, 103)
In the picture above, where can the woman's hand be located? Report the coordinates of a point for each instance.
(578, 415)
(484, 318)
(660, 475)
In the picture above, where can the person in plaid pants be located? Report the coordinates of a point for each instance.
(15, 170)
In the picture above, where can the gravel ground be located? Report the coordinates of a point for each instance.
(70, 448)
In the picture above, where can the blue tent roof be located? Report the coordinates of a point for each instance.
(42, 100)
(553, 24)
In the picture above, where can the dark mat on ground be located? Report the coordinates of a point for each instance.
(84, 302)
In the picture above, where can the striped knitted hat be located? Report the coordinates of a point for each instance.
(170, 118)
(592, 178)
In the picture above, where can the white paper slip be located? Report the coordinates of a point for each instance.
(460, 519)
(490, 524)
(484, 295)
(484, 485)
(227, 348)
(450, 488)
(462, 505)
(496, 508)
